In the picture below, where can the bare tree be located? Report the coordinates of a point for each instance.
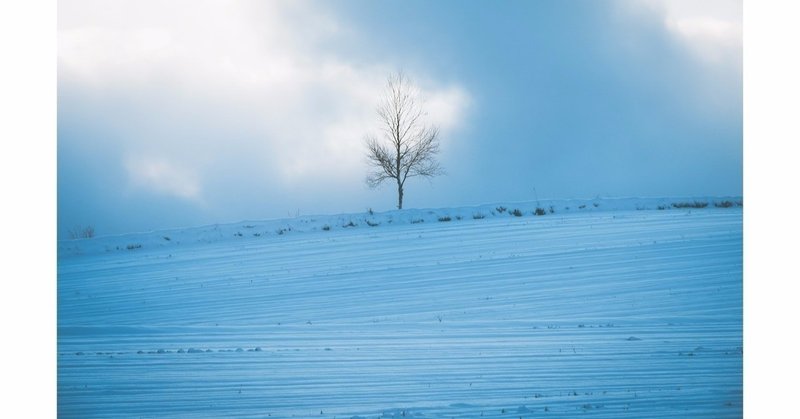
(408, 146)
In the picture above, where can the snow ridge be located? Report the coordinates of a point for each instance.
(264, 229)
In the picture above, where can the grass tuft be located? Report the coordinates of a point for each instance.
(695, 204)
(724, 204)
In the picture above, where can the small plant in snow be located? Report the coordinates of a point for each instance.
(326, 227)
(695, 204)
(133, 246)
(723, 204)
(539, 211)
(445, 218)
(516, 212)
(79, 232)
(372, 224)
(417, 221)
(478, 216)
(350, 224)
(501, 209)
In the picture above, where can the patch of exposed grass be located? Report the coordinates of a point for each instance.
(724, 204)
(695, 204)
(79, 232)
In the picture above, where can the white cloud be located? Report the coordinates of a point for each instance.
(446, 107)
(710, 28)
(162, 176)
(265, 60)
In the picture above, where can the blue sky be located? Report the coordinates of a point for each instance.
(191, 112)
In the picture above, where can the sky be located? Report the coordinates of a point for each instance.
(184, 113)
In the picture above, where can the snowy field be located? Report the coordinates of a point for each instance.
(600, 308)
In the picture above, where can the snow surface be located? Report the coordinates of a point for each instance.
(611, 308)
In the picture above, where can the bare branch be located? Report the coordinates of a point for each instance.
(380, 158)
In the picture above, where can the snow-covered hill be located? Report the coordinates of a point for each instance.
(260, 230)
(606, 308)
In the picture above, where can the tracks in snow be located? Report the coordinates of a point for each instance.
(504, 318)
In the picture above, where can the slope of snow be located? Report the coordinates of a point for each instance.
(263, 229)
(613, 310)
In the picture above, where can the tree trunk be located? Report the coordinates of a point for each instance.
(399, 195)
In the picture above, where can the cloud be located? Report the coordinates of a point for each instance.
(710, 28)
(161, 176)
(447, 107)
(267, 75)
